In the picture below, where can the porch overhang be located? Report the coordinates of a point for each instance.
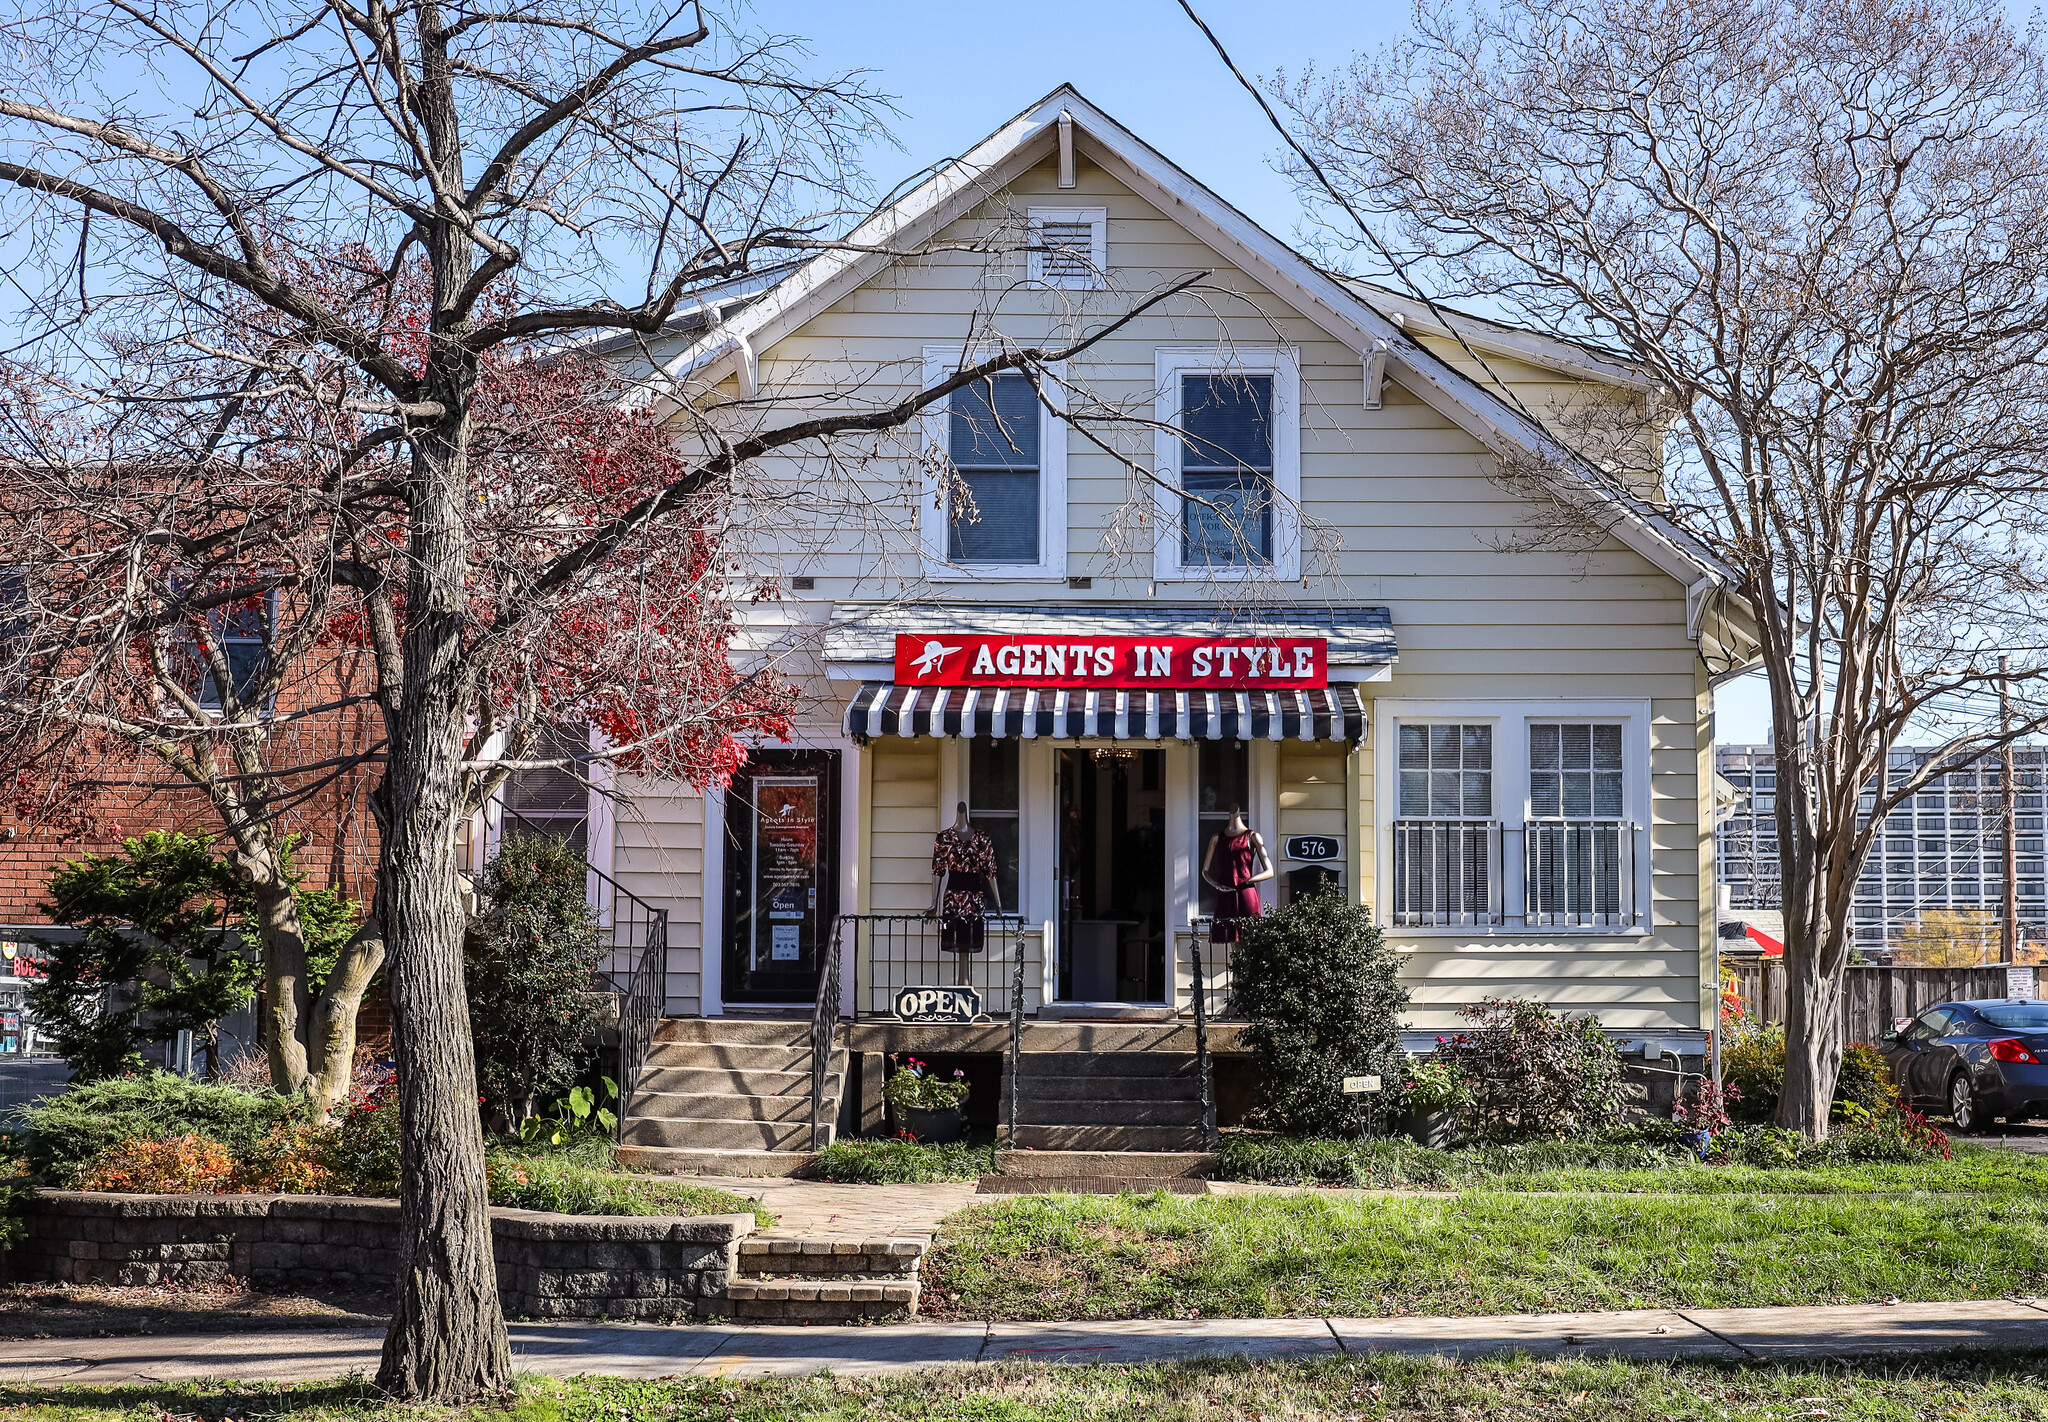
(880, 709)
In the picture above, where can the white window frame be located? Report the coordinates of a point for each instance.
(1098, 247)
(1511, 721)
(1283, 364)
(939, 363)
(217, 706)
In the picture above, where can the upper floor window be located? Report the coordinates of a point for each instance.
(1226, 469)
(240, 635)
(996, 492)
(1229, 461)
(1069, 247)
(553, 800)
(993, 442)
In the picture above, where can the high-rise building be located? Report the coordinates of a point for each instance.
(1941, 849)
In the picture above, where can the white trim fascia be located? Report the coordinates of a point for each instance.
(1531, 346)
(941, 361)
(1510, 717)
(1097, 219)
(1283, 363)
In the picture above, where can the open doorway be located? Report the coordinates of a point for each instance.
(1112, 875)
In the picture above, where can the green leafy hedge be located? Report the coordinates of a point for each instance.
(59, 1136)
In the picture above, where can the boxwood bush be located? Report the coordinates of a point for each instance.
(60, 1136)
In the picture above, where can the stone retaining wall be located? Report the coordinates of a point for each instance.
(549, 1266)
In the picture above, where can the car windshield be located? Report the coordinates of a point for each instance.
(2017, 1016)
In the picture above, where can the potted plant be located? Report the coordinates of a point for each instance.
(1431, 1098)
(927, 1106)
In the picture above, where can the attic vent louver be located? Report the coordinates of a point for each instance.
(1069, 246)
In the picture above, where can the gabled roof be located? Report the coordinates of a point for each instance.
(1343, 310)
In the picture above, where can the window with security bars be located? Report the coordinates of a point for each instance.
(1226, 470)
(1576, 842)
(553, 800)
(993, 443)
(1446, 840)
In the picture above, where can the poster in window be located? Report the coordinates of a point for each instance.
(785, 864)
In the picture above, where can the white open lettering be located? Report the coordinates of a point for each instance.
(1055, 660)
(1252, 657)
(1202, 655)
(1009, 661)
(1034, 660)
(984, 664)
(1304, 661)
(1105, 661)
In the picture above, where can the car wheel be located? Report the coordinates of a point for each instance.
(1962, 1104)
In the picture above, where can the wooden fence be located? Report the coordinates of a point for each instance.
(1875, 997)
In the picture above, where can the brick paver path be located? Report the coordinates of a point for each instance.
(866, 1211)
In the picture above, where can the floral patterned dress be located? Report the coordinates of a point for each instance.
(966, 860)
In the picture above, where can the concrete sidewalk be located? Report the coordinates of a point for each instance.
(624, 1350)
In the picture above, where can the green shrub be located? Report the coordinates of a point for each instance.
(61, 1136)
(859, 1162)
(155, 916)
(1385, 1164)
(531, 968)
(360, 1151)
(1753, 1062)
(1321, 994)
(1534, 1075)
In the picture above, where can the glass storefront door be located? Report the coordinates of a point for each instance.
(781, 874)
(1112, 875)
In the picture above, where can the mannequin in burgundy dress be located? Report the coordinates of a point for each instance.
(963, 886)
(1234, 866)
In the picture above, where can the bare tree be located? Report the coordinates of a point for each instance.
(1820, 228)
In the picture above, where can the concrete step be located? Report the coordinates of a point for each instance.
(730, 1106)
(687, 1160)
(1107, 1113)
(733, 1080)
(823, 1301)
(1152, 1164)
(712, 1133)
(729, 1056)
(1108, 1138)
(831, 1255)
(752, 1031)
(1110, 1088)
(1031, 1065)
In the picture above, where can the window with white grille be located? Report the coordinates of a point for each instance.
(1576, 842)
(1446, 840)
(1069, 247)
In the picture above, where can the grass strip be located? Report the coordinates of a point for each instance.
(872, 1162)
(1170, 1256)
(1382, 1388)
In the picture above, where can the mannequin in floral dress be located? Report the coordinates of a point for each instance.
(963, 885)
(1235, 865)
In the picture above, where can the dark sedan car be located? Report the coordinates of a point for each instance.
(1974, 1060)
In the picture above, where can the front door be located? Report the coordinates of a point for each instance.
(1112, 875)
(781, 874)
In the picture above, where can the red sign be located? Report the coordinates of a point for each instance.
(1137, 663)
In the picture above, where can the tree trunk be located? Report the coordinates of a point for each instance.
(331, 1034)
(447, 1341)
(1813, 1043)
(284, 967)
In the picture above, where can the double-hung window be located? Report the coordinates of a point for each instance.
(240, 634)
(996, 502)
(1576, 840)
(992, 441)
(1507, 816)
(553, 801)
(1229, 462)
(1446, 839)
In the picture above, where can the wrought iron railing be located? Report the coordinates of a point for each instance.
(893, 951)
(1204, 929)
(825, 1028)
(1578, 873)
(1446, 872)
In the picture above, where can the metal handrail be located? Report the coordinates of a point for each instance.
(824, 1025)
(901, 950)
(1016, 1038)
(1204, 928)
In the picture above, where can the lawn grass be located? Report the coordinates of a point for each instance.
(1978, 1170)
(1383, 1388)
(1248, 1256)
(561, 1184)
(875, 1162)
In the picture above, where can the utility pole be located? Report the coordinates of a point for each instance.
(2009, 900)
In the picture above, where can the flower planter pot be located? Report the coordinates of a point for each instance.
(940, 1127)
(1436, 1130)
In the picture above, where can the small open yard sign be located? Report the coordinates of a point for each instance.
(937, 1004)
(1361, 1085)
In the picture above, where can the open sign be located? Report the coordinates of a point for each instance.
(937, 1004)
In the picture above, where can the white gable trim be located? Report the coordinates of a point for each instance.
(1026, 140)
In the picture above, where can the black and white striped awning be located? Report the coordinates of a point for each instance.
(884, 709)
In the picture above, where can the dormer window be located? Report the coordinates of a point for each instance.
(1069, 247)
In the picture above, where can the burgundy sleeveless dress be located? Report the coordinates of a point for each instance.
(1236, 862)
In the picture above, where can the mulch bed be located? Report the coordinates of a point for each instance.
(225, 1306)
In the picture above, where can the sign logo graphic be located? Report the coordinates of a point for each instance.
(933, 659)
